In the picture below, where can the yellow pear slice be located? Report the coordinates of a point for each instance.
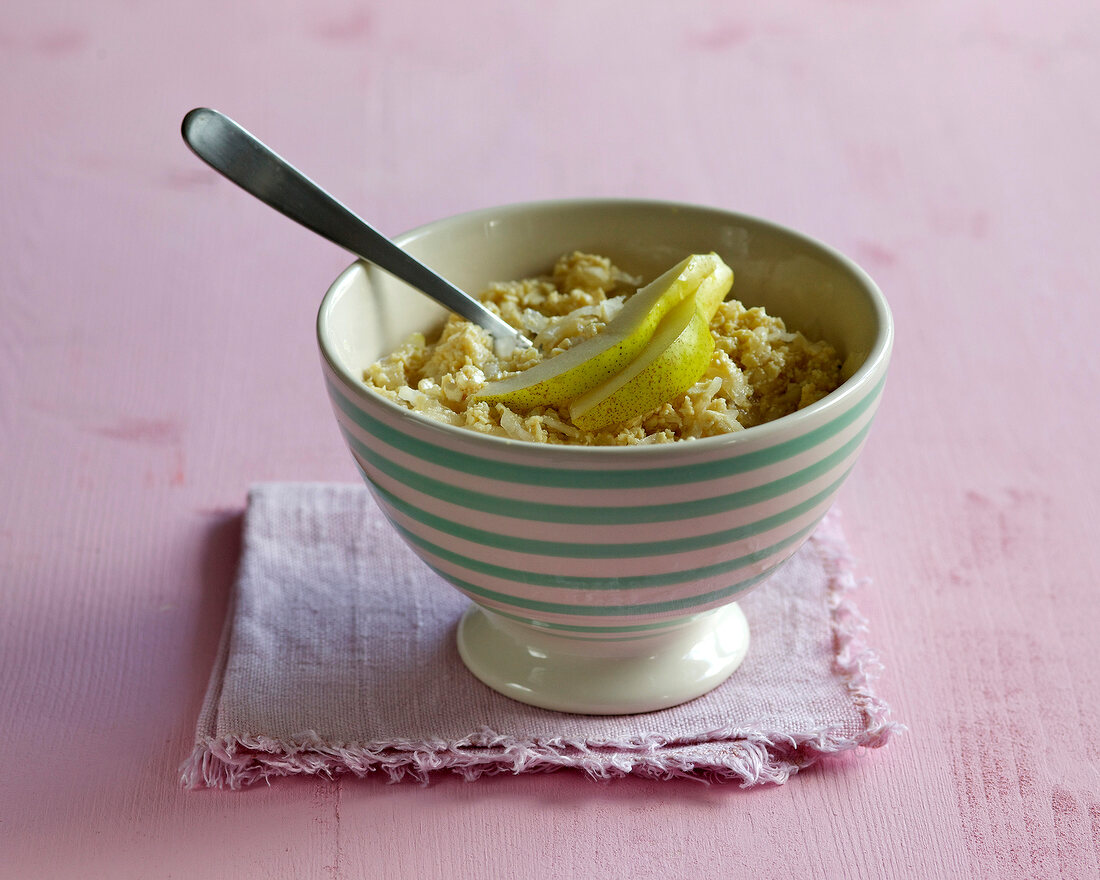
(711, 295)
(673, 361)
(570, 374)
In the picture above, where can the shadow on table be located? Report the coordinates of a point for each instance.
(219, 559)
(572, 789)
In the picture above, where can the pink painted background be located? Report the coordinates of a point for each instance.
(157, 357)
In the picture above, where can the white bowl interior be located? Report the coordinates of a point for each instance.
(367, 313)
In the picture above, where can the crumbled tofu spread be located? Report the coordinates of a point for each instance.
(759, 371)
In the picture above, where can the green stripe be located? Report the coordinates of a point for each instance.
(643, 630)
(566, 478)
(608, 633)
(576, 550)
(578, 582)
(602, 515)
(604, 610)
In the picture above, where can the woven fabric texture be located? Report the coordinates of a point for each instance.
(339, 657)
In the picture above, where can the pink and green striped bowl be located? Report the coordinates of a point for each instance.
(597, 573)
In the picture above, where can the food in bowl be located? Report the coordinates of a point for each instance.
(742, 369)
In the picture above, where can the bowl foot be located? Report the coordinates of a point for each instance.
(603, 676)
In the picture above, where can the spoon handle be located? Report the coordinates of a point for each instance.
(237, 155)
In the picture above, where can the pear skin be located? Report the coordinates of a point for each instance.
(569, 375)
(674, 360)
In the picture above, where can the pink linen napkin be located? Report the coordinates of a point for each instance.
(339, 656)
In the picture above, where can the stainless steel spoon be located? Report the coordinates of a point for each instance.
(236, 154)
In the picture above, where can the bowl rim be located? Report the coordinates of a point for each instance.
(875, 363)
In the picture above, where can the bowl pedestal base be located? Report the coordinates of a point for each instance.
(605, 676)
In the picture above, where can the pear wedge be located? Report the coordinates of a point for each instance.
(713, 291)
(570, 374)
(673, 361)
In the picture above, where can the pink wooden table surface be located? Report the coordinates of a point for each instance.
(157, 357)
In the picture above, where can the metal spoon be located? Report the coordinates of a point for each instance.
(236, 154)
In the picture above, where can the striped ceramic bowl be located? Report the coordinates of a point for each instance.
(605, 580)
